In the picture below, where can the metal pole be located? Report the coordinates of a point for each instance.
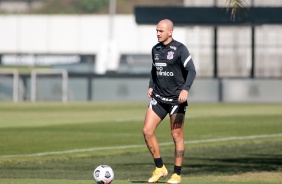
(253, 49)
(65, 86)
(16, 86)
(252, 75)
(215, 62)
(33, 86)
(89, 86)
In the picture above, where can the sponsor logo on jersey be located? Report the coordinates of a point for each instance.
(160, 70)
(170, 55)
(160, 64)
(173, 47)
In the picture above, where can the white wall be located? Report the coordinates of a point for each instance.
(87, 34)
(74, 34)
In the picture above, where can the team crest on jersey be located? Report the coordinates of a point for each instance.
(170, 55)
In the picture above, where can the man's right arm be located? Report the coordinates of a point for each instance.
(152, 81)
(152, 76)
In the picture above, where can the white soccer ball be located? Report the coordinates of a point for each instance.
(103, 174)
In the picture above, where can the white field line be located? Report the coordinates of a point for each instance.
(142, 145)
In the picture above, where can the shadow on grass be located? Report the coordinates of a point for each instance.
(200, 165)
(136, 181)
(253, 163)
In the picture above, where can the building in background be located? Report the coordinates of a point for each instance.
(73, 42)
(20, 6)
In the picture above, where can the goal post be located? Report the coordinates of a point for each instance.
(37, 72)
(15, 75)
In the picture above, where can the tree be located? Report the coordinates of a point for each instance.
(73, 7)
(236, 6)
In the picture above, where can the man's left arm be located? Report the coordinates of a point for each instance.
(188, 64)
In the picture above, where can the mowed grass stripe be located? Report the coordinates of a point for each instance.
(222, 147)
(51, 113)
(139, 146)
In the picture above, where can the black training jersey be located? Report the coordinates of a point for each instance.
(172, 71)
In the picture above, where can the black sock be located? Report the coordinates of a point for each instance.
(158, 162)
(177, 169)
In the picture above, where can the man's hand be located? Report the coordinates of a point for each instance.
(183, 96)
(150, 90)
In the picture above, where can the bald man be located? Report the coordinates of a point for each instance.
(172, 75)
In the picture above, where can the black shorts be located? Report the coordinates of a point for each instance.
(162, 109)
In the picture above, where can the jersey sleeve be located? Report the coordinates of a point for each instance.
(152, 77)
(153, 73)
(188, 64)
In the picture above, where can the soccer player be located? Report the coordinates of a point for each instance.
(172, 75)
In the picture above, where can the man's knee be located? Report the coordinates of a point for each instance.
(147, 132)
(177, 136)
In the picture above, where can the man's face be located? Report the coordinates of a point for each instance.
(163, 33)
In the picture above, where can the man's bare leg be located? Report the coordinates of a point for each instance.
(176, 125)
(152, 120)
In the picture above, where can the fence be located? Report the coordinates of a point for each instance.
(133, 87)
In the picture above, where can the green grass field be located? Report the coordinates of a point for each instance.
(55, 143)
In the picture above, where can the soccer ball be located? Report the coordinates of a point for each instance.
(103, 174)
